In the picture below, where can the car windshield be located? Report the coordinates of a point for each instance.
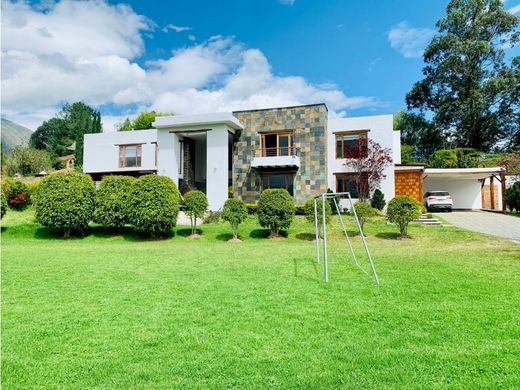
(439, 193)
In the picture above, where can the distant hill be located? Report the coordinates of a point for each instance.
(13, 135)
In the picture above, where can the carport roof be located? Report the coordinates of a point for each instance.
(474, 173)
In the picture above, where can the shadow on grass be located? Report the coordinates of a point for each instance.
(224, 236)
(44, 233)
(306, 236)
(264, 233)
(186, 232)
(389, 235)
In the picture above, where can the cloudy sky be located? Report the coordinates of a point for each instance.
(359, 57)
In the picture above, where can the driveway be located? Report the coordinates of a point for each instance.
(495, 224)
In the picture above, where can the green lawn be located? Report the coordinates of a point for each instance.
(122, 312)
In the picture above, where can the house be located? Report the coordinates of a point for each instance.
(301, 148)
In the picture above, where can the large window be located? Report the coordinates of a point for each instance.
(346, 182)
(278, 180)
(351, 144)
(130, 156)
(277, 144)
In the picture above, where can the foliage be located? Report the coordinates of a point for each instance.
(212, 217)
(275, 210)
(3, 205)
(511, 162)
(28, 161)
(378, 200)
(331, 202)
(252, 208)
(455, 158)
(68, 127)
(230, 192)
(112, 200)
(513, 197)
(369, 168)
(154, 205)
(143, 121)
(17, 193)
(299, 209)
(195, 206)
(364, 212)
(65, 201)
(402, 210)
(407, 156)
(468, 88)
(234, 212)
(310, 215)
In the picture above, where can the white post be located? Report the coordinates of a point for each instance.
(325, 257)
(217, 167)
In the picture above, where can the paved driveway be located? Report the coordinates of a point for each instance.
(485, 222)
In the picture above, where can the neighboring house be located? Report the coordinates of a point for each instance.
(68, 161)
(300, 148)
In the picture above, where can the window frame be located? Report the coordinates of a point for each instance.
(286, 176)
(359, 133)
(138, 155)
(288, 133)
(341, 175)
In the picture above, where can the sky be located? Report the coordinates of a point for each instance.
(358, 57)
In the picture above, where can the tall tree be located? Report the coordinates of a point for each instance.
(468, 85)
(143, 121)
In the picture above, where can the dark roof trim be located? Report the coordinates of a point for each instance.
(282, 108)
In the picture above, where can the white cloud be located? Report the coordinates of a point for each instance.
(515, 9)
(48, 58)
(409, 41)
(176, 28)
(287, 2)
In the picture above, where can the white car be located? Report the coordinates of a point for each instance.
(438, 200)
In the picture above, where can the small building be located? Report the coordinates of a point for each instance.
(68, 161)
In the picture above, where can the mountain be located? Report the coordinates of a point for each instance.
(13, 135)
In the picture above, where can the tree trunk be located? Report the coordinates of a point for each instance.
(66, 234)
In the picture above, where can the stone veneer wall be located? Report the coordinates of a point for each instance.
(309, 126)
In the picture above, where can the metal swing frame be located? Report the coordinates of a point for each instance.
(324, 198)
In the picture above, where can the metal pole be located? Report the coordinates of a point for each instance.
(325, 258)
(363, 239)
(316, 230)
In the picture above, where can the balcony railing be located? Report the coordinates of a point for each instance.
(276, 152)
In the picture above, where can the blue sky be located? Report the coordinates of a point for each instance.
(359, 57)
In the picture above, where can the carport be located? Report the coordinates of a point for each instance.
(470, 188)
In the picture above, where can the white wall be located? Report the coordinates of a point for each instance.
(168, 158)
(217, 166)
(381, 131)
(101, 150)
(465, 192)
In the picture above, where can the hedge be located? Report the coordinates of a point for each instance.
(112, 202)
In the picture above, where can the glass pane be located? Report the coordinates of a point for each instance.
(130, 156)
(277, 181)
(350, 146)
(265, 182)
(283, 143)
(290, 184)
(338, 148)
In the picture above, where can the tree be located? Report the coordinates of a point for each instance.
(28, 161)
(368, 168)
(364, 212)
(65, 201)
(143, 121)
(468, 87)
(402, 210)
(234, 212)
(308, 208)
(378, 200)
(275, 210)
(513, 197)
(511, 162)
(195, 206)
(454, 158)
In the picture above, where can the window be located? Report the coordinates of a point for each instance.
(351, 144)
(277, 144)
(346, 182)
(278, 180)
(130, 156)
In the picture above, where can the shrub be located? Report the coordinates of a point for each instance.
(111, 200)
(513, 197)
(251, 208)
(230, 193)
(212, 217)
(378, 200)
(3, 205)
(17, 194)
(195, 206)
(309, 213)
(299, 209)
(275, 210)
(402, 210)
(65, 201)
(364, 212)
(154, 205)
(235, 212)
(331, 202)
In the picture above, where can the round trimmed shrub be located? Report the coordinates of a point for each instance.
(364, 212)
(513, 197)
(3, 205)
(378, 200)
(154, 205)
(65, 201)
(402, 210)
(112, 201)
(17, 193)
(234, 212)
(195, 206)
(309, 213)
(275, 210)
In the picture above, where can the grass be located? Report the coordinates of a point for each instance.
(113, 311)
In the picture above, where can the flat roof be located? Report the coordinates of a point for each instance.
(463, 172)
(286, 107)
(176, 121)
